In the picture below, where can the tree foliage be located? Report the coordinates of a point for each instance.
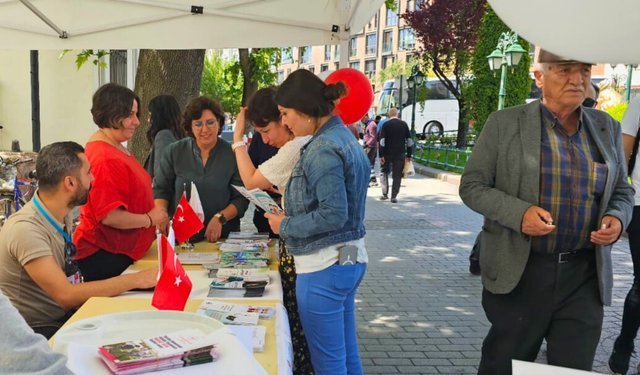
(483, 90)
(219, 82)
(448, 31)
(85, 55)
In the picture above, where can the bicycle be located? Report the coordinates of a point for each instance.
(12, 194)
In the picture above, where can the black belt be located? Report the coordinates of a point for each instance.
(567, 256)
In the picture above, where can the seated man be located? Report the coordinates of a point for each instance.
(39, 274)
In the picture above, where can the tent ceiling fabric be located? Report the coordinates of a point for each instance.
(577, 28)
(124, 24)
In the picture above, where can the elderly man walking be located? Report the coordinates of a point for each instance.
(550, 180)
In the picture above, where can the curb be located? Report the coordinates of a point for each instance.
(452, 178)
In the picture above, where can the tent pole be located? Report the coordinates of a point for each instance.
(61, 33)
(35, 101)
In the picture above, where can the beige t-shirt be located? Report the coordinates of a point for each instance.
(277, 170)
(28, 235)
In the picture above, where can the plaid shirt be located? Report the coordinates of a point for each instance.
(572, 180)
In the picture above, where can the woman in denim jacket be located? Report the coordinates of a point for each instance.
(324, 205)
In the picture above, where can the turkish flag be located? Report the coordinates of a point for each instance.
(165, 248)
(185, 221)
(174, 286)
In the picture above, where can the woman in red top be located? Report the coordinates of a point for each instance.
(117, 223)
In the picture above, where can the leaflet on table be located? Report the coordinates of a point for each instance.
(198, 258)
(236, 293)
(249, 235)
(183, 348)
(245, 255)
(265, 312)
(236, 282)
(260, 199)
(247, 275)
(249, 241)
(231, 318)
(255, 335)
(250, 264)
(238, 247)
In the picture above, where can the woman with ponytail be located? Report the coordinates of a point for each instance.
(324, 222)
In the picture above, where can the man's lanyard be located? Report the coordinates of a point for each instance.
(55, 225)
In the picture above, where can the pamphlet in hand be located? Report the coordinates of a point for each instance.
(261, 199)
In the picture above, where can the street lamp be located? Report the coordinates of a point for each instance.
(508, 52)
(414, 82)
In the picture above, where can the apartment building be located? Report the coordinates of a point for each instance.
(385, 39)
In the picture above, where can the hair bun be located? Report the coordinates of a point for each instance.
(334, 91)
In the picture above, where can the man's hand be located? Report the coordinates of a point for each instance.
(609, 232)
(537, 222)
(381, 160)
(214, 230)
(146, 279)
(159, 217)
(238, 129)
(274, 221)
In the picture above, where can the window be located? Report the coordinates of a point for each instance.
(387, 41)
(372, 44)
(305, 55)
(387, 61)
(354, 65)
(280, 76)
(374, 22)
(312, 69)
(410, 7)
(353, 47)
(324, 67)
(337, 66)
(370, 68)
(288, 71)
(409, 57)
(392, 17)
(118, 66)
(287, 56)
(418, 5)
(327, 53)
(336, 56)
(407, 39)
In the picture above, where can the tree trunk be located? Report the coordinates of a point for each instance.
(249, 87)
(164, 72)
(463, 123)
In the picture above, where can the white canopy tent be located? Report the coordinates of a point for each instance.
(180, 24)
(577, 29)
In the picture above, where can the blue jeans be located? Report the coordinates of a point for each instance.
(326, 303)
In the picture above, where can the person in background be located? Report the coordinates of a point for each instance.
(371, 148)
(383, 121)
(378, 118)
(396, 146)
(591, 100)
(264, 114)
(624, 346)
(260, 152)
(353, 130)
(39, 274)
(324, 219)
(207, 160)
(164, 129)
(117, 223)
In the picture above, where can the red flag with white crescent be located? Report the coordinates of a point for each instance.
(174, 286)
(185, 221)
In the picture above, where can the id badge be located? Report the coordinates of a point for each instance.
(75, 278)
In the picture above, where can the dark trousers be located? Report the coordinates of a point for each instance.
(557, 302)
(48, 330)
(372, 152)
(103, 265)
(631, 312)
(395, 166)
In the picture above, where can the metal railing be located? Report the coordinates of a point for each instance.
(445, 157)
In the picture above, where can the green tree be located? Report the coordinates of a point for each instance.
(484, 88)
(218, 82)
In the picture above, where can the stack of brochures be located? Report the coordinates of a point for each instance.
(242, 320)
(187, 347)
(242, 250)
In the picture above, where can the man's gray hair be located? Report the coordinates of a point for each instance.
(541, 67)
(392, 112)
(55, 162)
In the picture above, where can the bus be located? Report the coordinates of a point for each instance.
(438, 113)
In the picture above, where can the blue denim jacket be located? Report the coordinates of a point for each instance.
(327, 191)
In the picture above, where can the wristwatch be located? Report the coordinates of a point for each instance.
(221, 218)
(237, 144)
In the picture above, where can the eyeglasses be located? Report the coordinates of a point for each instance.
(210, 124)
(589, 103)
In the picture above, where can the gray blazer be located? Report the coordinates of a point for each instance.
(502, 180)
(163, 139)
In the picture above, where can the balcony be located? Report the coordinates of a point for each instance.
(387, 48)
(407, 44)
(371, 50)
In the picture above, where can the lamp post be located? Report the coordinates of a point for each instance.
(414, 82)
(628, 93)
(508, 52)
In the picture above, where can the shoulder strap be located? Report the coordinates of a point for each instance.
(634, 153)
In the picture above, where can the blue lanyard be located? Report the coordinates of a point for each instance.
(46, 216)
